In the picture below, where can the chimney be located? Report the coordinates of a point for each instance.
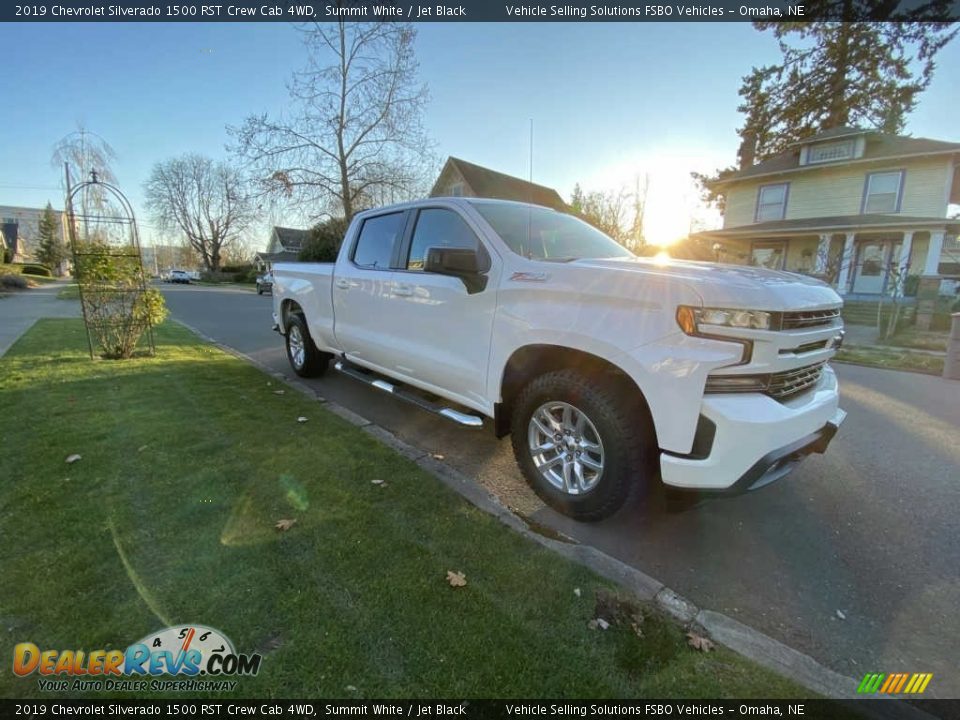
(748, 150)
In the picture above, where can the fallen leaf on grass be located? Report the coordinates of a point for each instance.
(598, 624)
(699, 642)
(456, 579)
(73, 458)
(142, 448)
(279, 392)
(284, 525)
(576, 591)
(379, 482)
(302, 419)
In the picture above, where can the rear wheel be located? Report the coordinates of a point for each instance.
(580, 445)
(303, 355)
(259, 289)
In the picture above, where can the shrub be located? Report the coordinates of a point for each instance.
(35, 269)
(910, 285)
(116, 308)
(7, 255)
(10, 281)
(324, 241)
(241, 269)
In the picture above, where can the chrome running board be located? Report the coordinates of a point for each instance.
(368, 378)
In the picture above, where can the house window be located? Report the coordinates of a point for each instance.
(830, 152)
(771, 202)
(770, 255)
(456, 190)
(881, 194)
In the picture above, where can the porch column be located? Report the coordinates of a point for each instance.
(823, 254)
(846, 260)
(929, 286)
(906, 247)
(934, 248)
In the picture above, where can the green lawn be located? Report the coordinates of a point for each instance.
(891, 358)
(70, 292)
(188, 461)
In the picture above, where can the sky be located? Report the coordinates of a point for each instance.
(608, 101)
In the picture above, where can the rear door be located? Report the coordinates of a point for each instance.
(442, 331)
(362, 290)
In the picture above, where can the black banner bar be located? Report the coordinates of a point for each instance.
(473, 709)
(459, 11)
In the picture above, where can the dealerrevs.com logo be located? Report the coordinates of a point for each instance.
(199, 657)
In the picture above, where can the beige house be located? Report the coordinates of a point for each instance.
(859, 208)
(284, 245)
(459, 178)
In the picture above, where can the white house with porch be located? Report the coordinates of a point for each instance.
(860, 208)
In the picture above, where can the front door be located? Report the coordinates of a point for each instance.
(874, 259)
(442, 327)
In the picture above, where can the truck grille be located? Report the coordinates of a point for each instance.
(790, 382)
(777, 385)
(808, 318)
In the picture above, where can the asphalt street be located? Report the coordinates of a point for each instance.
(853, 559)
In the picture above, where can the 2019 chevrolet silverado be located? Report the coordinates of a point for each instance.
(608, 371)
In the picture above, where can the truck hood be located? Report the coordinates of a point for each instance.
(732, 286)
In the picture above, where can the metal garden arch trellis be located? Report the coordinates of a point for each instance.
(101, 226)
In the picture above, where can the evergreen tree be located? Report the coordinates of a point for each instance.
(51, 251)
(862, 72)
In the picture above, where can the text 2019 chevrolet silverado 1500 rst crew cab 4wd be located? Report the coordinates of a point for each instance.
(607, 370)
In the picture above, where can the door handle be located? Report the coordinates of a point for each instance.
(342, 283)
(402, 290)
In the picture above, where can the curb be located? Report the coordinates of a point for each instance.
(742, 639)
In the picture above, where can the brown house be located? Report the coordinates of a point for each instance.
(460, 178)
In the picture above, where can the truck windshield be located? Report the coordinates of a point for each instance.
(539, 233)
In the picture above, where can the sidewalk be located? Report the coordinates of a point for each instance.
(20, 310)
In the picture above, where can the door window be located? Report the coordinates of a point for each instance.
(378, 237)
(439, 228)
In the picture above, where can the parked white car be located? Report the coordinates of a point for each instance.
(609, 372)
(179, 276)
(265, 283)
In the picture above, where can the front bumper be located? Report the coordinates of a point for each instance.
(752, 440)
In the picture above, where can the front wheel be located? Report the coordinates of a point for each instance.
(303, 355)
(259, 289)
(580, 445)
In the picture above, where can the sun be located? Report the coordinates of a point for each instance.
(673, 208)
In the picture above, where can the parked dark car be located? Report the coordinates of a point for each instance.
(265, 283)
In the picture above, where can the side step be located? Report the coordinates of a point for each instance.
(375, 381)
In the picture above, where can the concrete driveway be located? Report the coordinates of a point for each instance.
(854, 559)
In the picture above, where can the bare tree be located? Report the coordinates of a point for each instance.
(355, 134)
(85, 152)
(203, 199)
(618, 213)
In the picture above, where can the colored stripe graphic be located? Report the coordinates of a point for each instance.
(895, 683)
(871, 683)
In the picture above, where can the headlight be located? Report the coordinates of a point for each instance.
(699, 321)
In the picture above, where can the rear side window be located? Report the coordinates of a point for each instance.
(378, 237)
(438, 228)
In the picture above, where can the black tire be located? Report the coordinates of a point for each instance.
(623, 431)
(259, 289)
(312, 362)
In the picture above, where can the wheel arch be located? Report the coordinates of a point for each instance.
(531, 361)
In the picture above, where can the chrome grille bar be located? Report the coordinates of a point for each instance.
(808, 318)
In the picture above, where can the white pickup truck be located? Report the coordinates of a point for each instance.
(609, 372)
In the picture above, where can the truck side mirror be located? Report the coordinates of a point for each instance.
(464, 263)
(454, 261)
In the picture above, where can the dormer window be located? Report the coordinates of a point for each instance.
(831, 151)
